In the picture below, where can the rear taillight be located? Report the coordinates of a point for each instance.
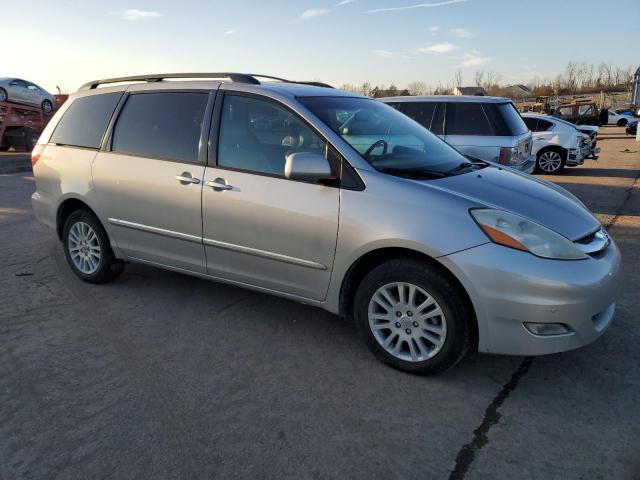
(506, 156)
(35, 153)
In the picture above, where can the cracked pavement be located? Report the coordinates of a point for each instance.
(160, 375)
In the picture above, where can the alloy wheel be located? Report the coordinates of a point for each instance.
(47, 107)
(3, 95)
(84, 248)
(407, 322)
(550, 161)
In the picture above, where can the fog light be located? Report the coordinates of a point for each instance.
(547, 328)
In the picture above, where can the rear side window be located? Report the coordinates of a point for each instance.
(531, 123)
(467, 119)
(85, 121)
(163, 125)
(544, 125)
(420, 112)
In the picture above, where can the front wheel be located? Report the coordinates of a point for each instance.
(550, 162)
(3, 95)
(413, 317)
(622, 122)
(87, 248)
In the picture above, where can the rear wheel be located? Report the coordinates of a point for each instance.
(3, 95)
(47, 106)
(87, 248)
(550, 161)
(413, 317)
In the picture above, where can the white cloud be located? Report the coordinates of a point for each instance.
(434, 30)
(383, 53)
(474, 59)
(436, 48)
(133, 14)
(313, 12)
(419, 5)
(462, 32)
(231, 31)
(344, 2)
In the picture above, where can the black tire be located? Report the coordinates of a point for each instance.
(448, 295)
(30, 139)
(108, 266)
(47, 107)
(4, 96)
(562, 154)
(622, 122)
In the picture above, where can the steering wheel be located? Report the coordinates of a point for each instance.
(375, 145)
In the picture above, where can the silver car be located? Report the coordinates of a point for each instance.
(269, 186)
(488, 128)
(20, 91)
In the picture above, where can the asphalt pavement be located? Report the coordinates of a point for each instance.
(165, 376)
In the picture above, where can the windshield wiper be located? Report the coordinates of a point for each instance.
(415, 173)
(465, 165)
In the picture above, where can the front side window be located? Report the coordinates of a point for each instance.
(467, 119)
(163, 125)
(257, 135)
(85, 121)
(387, 139)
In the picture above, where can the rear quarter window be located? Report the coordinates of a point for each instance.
(505, 119)
(85, 121)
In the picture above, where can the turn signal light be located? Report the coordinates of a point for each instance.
(35, 153)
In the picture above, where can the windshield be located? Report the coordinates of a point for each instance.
(390, 141)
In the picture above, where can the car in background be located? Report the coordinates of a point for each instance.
(20, 91)
(486, 128)
(619, 119)
(556, 143)
(626, 111)
(579, 113)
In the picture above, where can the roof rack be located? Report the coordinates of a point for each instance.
(234, 77)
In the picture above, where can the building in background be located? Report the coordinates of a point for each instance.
(478, 91)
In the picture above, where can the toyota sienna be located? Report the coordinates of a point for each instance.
(328, 198)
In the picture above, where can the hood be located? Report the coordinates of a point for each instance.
(532, 198)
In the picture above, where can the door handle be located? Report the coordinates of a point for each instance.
(185, 178)
(219, 184)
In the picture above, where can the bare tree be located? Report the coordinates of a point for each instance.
(417, 88)
(478, 77)
(457, 79)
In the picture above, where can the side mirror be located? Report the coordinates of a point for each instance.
(308, 167)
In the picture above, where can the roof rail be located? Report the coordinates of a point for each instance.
(313, 83)
(234, 77)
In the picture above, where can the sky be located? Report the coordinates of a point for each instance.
(69, 42)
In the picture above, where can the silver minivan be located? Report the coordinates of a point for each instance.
(328, 198)
(488, 128)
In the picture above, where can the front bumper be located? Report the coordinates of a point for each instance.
(509, 287)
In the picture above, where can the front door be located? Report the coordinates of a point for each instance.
(150, 184)
(259, 227)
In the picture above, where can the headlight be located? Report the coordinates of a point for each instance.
(514, 231)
